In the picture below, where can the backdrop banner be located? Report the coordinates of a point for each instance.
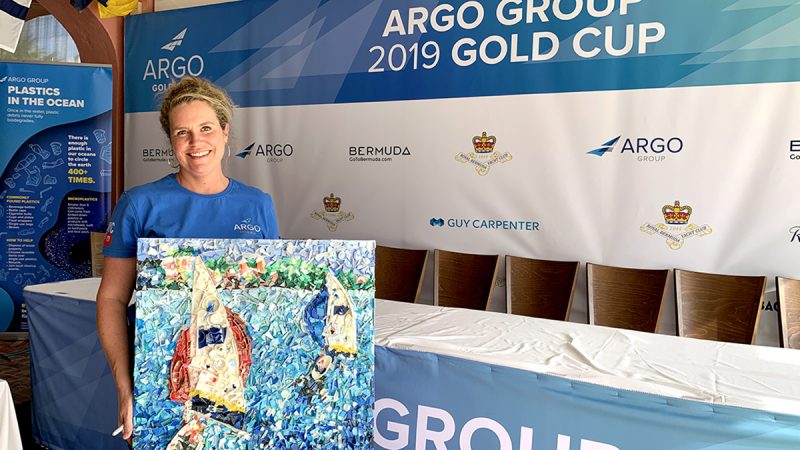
(425, 400)
(55, 124)
(623, 132)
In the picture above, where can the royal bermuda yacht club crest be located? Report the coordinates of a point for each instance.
(483, 155)
(676, 227)
(332, 216)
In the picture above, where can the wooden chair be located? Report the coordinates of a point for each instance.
(717, 307)
(399, 273)
(623, 297)
(540, 288)
(463, 280)
(788, 291)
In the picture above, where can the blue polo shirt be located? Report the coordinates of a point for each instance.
(165, 209)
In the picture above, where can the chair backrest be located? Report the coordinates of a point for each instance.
(399, 273)
(788, 291)
(717, 307)
(463, 280)
(539, 287)
(623, 297)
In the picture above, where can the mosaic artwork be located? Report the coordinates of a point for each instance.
(254, 344)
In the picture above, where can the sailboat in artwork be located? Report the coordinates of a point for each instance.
(210, 366)
(340, 331)
(330, 320)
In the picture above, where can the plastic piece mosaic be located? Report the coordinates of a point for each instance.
(254, 344)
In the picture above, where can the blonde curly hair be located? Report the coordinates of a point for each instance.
(191, 89)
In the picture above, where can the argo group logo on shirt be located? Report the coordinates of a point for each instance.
(273, 153)
(676, 227)
(247, 226)
(332, 214)
(483, 155)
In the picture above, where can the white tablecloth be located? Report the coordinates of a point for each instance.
(751, 376)
(764, 378)
(9, 429)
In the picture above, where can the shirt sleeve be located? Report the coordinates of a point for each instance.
(122, 232)
(271, 218)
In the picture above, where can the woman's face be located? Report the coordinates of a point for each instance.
(197, 138)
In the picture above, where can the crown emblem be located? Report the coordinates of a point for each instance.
(483, 143)
(332, 203)
(676, 214)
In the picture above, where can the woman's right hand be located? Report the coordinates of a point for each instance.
(125, 415)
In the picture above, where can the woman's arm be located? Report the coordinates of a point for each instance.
(116, 287)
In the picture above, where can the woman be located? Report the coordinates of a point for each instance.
(198, 201)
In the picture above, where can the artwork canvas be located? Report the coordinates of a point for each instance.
(254, 344)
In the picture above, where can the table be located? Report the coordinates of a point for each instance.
(9, 429)
(450, 377)
(453, 378)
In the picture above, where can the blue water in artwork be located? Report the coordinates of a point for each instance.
(289, 405)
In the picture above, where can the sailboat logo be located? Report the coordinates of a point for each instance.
(176, 41)
(605, 148)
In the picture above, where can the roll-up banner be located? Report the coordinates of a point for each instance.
(637, 133)
(55, 127)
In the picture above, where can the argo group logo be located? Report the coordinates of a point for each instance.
(483, 155)
(247, 226)
(794, 232)
(176, 41)
(161, 71)
(644, 149)
(332, 216)
(485, 224)
(272, 153)
(676, 227)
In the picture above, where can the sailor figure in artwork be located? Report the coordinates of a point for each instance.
(210, 366)
(312, 386)
(330, 320)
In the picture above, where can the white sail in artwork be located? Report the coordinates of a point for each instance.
(214, 368)
(340, 321)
